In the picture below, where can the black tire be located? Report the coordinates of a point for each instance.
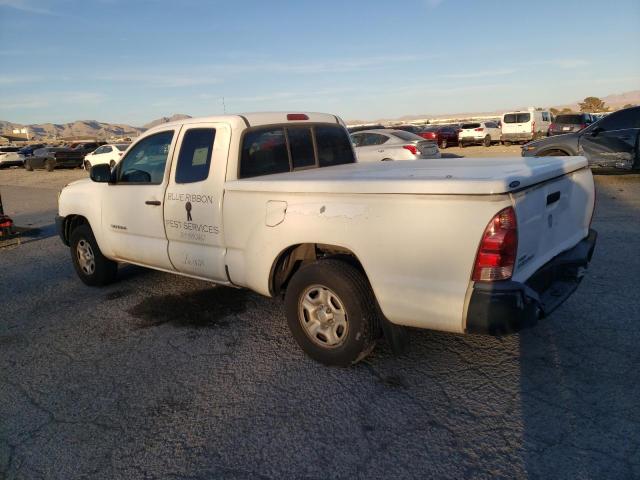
(387, 160)
(462, 144)
(27, 165)
(87, 165)
(50, 165)
(553, 153)
(352, 289)
(487, 141)
(104, 271)
(506, 143)
(443, 143)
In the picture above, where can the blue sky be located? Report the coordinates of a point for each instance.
(131, 61)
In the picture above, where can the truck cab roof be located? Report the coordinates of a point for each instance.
(255, 119)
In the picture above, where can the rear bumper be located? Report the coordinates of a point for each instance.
(506, 307)
(516, 137)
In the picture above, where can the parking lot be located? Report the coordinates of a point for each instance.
(159, 376)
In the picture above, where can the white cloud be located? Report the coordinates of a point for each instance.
(17, 79)
(482, 74)
(433, 3)
(26, 6)
(47, 99)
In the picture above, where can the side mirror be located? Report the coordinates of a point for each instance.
(596, 131)
(100, 173)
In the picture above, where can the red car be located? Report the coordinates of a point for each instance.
(443, 135)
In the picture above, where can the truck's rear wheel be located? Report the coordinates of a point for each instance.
(487, 141)
(92, 267)
(330, 312)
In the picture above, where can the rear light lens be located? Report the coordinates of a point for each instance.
(496, 256)
(582, 126)
(479, 129)
(412, 148)
(297, 116)
(428, 135)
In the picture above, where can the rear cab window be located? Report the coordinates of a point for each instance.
(280, 149)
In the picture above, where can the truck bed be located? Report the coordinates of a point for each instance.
(448, 176)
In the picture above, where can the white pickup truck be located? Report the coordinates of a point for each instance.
(276, 203)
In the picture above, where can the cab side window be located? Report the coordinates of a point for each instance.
(195, 155)
(146, 161)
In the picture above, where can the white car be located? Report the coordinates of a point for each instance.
(381, 145)
(277, 203)
(9, 156)
(109, 154)
(524, 126)
(479, 133)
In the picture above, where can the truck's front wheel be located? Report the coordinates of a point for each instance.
(331, 312)
(93, 268)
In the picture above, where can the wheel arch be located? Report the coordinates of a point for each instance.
(549, 150)
(290, 259)
(70, 223)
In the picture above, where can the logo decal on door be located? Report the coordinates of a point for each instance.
(187, 207)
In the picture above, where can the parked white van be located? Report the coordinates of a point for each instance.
(524, 126)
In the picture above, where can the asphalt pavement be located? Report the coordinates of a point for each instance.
(158, 376)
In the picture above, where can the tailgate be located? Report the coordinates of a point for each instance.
(553, 216)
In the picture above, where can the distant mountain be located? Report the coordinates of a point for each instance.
(85, 128)
(78, 129)
(173, 118)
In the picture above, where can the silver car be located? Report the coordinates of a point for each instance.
(381, 145)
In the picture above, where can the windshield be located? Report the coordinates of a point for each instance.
(573, 119)
(466, 126)
(517, 117)
(122, 148)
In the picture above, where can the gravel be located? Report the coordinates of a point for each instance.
(158, 376)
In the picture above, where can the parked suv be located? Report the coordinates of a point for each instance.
(572, 122)
(479, 133)
(525, 125)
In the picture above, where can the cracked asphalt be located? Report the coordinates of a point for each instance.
(158, 376)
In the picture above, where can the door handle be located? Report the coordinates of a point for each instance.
(153, 202)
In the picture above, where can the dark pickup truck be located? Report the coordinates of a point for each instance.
(51, 158)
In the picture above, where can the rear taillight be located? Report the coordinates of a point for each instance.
(584, 125)
(412, 148)
(428, 135)
(552, 127)
(497, 251)
(479, 129)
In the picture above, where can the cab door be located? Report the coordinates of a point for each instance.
(193, 201)
(132, 211)
(613, 141)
